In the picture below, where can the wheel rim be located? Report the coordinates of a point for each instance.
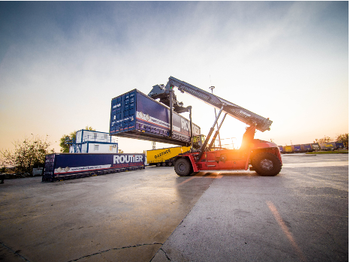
(182, 167)
(266, 164)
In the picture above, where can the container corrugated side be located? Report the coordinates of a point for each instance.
(136, 115)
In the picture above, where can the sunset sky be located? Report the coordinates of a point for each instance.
(61, 63)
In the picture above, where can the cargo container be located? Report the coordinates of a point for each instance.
(315, 146)
(296, 148)
(281, 149)
(339, 145)
(70, 166)
(84, 135)
(92, 147)
(306, 148)
(89, 141)
(288, 149)
(136, 115)
(164, 156)
(329, 146)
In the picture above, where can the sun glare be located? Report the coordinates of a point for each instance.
(231, 143)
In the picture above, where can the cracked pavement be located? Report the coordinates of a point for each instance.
(154, 215)
(125, 215)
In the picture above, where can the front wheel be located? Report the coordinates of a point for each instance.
(183, 167)
(266, 164)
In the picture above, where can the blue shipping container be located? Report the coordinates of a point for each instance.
(339, 145)
(296, 148)
(69, 166)
(306, 148)
(136, 115)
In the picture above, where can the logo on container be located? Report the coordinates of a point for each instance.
(117, 105)
(185, 124)
(121, 159)
(162, 153)
(195, 130)
(143, 116)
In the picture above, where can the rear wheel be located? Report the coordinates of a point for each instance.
(266, 164)
(183, 167)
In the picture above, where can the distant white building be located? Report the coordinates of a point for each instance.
(88, 141)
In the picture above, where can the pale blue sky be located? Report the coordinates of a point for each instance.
(61, 63)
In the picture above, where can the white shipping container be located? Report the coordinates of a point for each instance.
(83, 136)
(101, 148)
(88, 141)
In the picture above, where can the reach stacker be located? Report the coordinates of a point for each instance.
(262, 156)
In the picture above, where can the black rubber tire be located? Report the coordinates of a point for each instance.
(183, 167)
(266, 164)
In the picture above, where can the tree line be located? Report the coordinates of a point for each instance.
(29, 153)
(344, 138)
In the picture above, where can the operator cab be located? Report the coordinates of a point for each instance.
(248, 137)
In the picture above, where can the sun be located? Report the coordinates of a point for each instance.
(230, 143)
(231, 134)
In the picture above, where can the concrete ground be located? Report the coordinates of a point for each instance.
(154, 215)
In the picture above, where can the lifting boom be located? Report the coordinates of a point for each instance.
(240, 113)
